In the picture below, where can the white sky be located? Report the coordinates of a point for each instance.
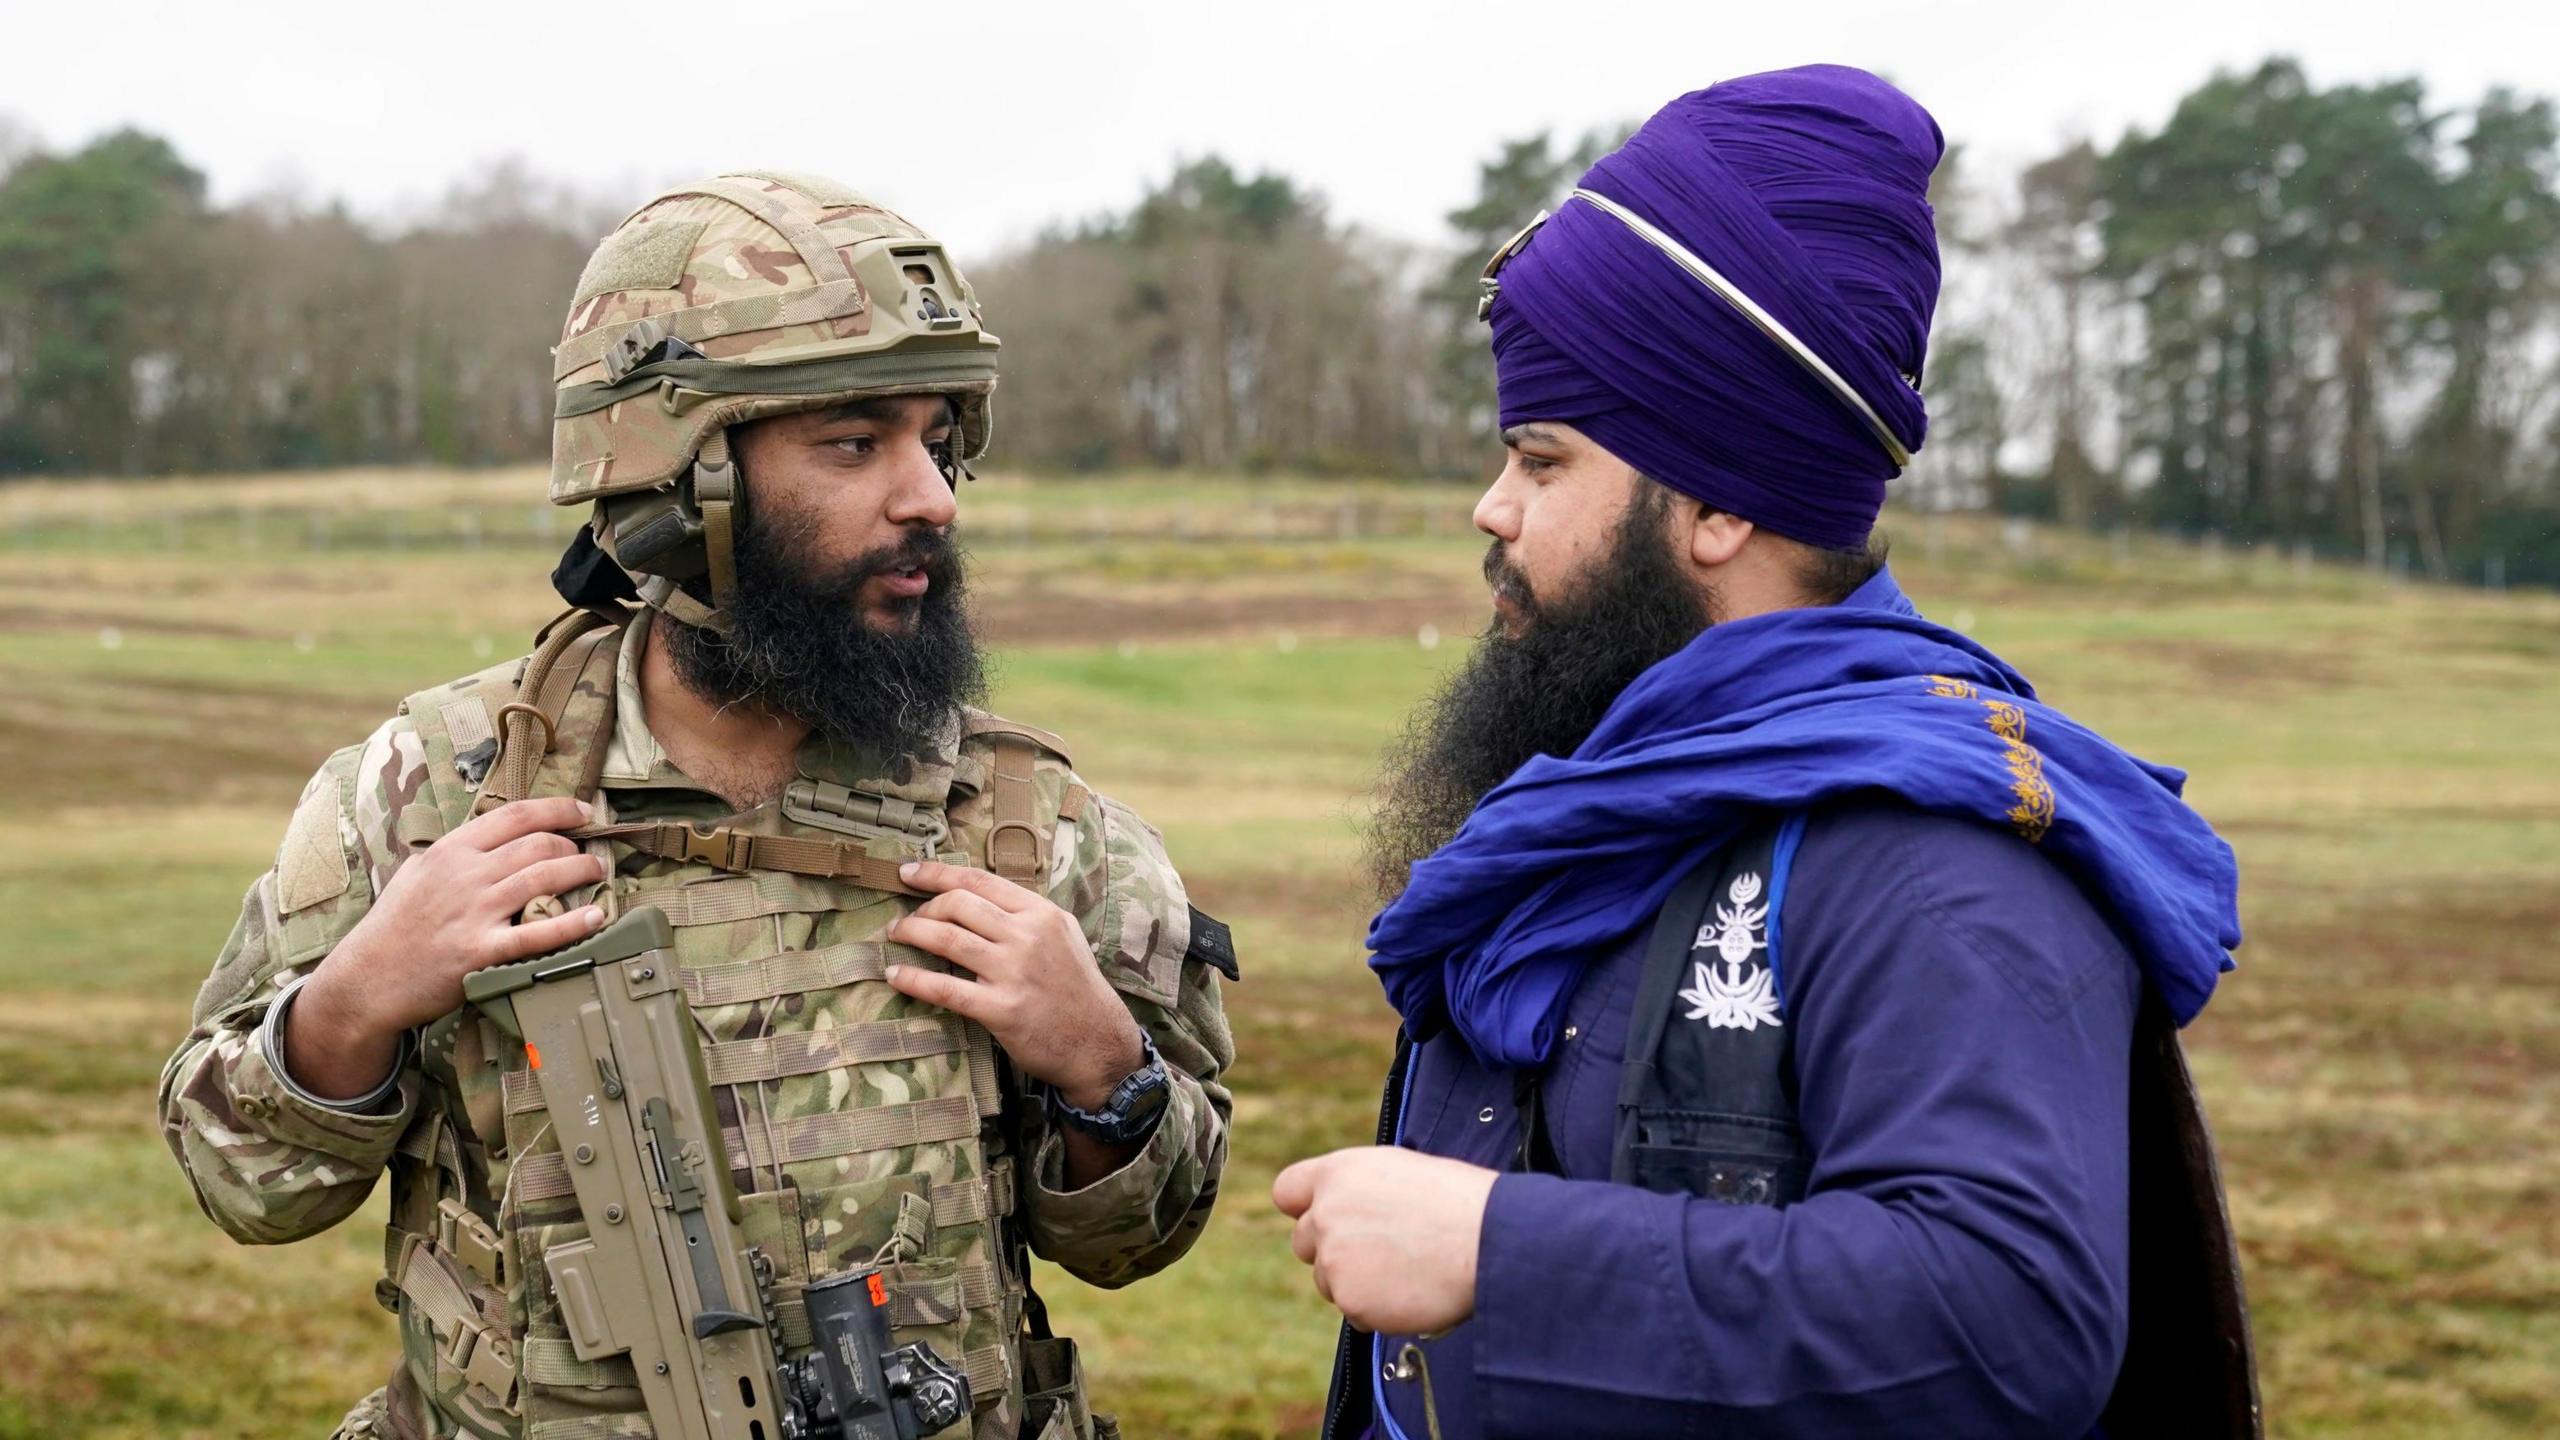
(983, 121)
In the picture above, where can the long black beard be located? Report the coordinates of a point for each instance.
(799, 642)
(1539, 693)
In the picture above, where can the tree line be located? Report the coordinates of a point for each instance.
(2324, 317)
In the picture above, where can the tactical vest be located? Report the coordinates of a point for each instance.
(839, 1160)
(1710, 1110)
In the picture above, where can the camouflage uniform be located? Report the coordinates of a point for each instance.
(861, 1124)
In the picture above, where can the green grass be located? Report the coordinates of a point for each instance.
(2381, 1071)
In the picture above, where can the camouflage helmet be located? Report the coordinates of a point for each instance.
(751, 294)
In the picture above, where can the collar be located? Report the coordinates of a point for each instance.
(1881, 592)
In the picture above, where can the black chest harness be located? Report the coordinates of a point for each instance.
(1718, 1121)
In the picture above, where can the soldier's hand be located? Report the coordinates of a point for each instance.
(1031, 980)
(1390, 1233)
(447, 911)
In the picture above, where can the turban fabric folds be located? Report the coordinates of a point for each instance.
(1806, 190)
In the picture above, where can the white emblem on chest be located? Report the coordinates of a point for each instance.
(1739, 998)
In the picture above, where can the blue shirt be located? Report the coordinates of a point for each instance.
(1962, 1019)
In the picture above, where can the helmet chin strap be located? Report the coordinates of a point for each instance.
(715, 492)
(714, 482)
(660, 593)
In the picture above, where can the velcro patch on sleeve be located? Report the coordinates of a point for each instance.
(1213, 944)
(312, 866)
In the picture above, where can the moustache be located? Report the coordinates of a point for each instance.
(934, 552)
(1507, 581)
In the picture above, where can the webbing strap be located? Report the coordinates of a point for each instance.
(807, 1137)
(971, 1287)
(418, 1142)
(966, 1202)
(807, 1052)
(541, 696)
(746, 897)
(1013, 844)
(715, 491)
(990, 1369)
(592, 1427)
(433, 1291)
(745, 853)
(660, 593)
(885, 1127)
(825, 265)
(466, 1345)
(982, 1071)
(550, 1361)
(795, 972)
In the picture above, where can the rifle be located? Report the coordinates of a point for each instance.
(664, 1273)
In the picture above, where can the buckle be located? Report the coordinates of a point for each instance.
(1015, 847)
(464, 1344)
(722, 849)
(485, 1361)
(714, 482)
(492, 1370)
(470, 1240)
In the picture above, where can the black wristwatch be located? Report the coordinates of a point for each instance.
(1136, 1105)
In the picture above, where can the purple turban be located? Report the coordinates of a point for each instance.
(1807, 191)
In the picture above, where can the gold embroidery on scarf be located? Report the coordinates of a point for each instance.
(2033, 814)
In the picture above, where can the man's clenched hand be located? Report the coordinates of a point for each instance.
(447, 911)
(1391, 1234)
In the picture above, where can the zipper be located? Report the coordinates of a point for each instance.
(1390, 1115)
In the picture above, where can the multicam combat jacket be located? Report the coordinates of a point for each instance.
(861, 1124)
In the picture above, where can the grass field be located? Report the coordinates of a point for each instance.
(2383, 1069)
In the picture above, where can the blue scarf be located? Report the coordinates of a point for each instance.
(1782, 712)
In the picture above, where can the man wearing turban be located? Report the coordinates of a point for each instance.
(1789, 996)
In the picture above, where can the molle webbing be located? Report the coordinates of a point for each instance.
(746, 853)
(807, 1052)
(784, 1142)
(795, 1052)
(913, 1299)
(592, 1427)
(747, 897)
(795, 972)
(982, 1072)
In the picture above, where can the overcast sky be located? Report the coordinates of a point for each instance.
(984, 121)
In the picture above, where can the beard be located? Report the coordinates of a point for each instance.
(801, 644)
(1539, 692)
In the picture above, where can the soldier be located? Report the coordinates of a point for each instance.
(955, 1006)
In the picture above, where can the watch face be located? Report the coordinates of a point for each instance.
(1148, 1099)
